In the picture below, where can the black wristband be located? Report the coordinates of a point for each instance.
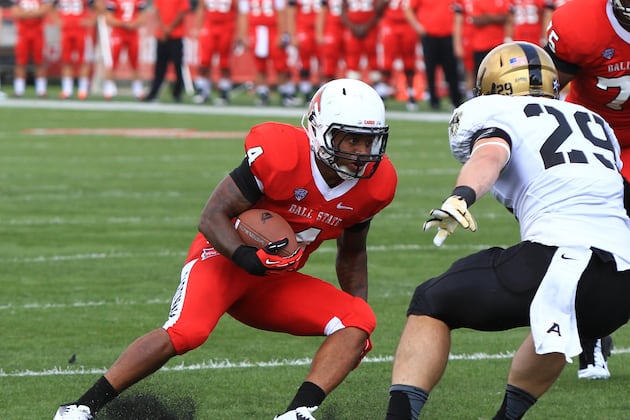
(246, 258)
(468, 194)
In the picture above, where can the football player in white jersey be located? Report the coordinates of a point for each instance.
(555, 165)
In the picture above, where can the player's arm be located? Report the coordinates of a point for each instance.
(226, 201)
(351, 263)
(489, 155)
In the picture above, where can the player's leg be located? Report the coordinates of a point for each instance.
(209, 284)
(486, 291)
(303, 305)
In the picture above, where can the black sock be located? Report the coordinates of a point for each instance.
(100, 394)
(405, 402)
(308, 395)
(515, 403)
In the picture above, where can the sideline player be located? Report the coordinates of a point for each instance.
(328, 180)
(29, 18)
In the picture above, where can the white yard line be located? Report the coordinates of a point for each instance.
(227, 364)
(197, 109)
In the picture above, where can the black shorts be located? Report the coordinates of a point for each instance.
(492, 290)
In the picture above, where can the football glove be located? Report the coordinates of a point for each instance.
(453, 212)
(266, 260)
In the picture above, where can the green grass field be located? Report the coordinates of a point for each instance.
(98, 208)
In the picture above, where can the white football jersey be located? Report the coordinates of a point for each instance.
(562, 180)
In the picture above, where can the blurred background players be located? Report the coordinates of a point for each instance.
(302, 18)
(170, 46)
(77, 21)
(329, 30)
(216, 28)
(360, 38)
(29, 20)
(398, 40)
(262, 27)
(589, 41)
(462, 29)
(528, 20)
(487, 19)
(125, 17)
(434, 22)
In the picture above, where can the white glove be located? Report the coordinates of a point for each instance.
(453, 212)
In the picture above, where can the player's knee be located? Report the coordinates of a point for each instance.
(361, 316)
(188, 339)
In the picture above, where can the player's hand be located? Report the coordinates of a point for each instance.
(272, 261)
(266, 260)
(453, 212)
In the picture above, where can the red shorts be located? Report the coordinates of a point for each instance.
(73, 41)
(294, 303)
(125, 40)
(29, 44)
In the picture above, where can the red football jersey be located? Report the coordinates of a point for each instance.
(280, 158)
(262, 12)
(73, 12)
(600, 47)
(30, 24)
(219, 12)
(528, 22)
(126, 10)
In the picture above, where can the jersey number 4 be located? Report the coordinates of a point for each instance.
(549, 150)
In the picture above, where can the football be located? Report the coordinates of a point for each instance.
(260, 227)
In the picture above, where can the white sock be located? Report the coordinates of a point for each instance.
(84, 83)
(66, 86)
(19, 85)
(41, 85)
(137, 88)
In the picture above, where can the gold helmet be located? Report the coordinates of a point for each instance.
(517, 69)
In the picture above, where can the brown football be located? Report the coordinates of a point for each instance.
(260, 227)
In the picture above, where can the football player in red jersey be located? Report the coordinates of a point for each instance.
(216, 27)
(592, 51)
(77, 20)
(328, 180)
(528, 20)
(125, 18)
(29, 19)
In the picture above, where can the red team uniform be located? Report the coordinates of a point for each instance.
(124, 38)
(263, 32)
(595, 44)
(75, 30)
(332, 33)
(306, 14)
(217, 33)
(361, 12)
(293, 187)
(528, 20)
(398, 39)
(30, 34)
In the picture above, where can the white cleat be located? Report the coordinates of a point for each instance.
(300, 413)
(73, 412)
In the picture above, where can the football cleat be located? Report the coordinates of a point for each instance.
(599, 368)
(82, 95)
(300, 413)
(73, 412)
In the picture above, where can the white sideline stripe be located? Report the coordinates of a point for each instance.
(227, 364)
(196, 109)
(327, 249)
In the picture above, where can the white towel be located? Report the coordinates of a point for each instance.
(552, 312)
(261, 49)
